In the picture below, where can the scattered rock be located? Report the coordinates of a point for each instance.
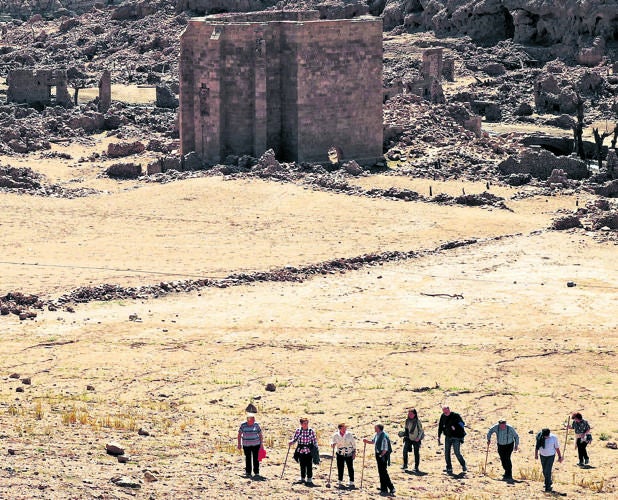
(26, 381)
(270, 387)
(126, 482)
(150, 477)
(114, 449)
(143, 432)
(14, 375)
(123, 459)
(90, 387)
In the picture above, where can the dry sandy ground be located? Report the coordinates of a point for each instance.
(357, 347)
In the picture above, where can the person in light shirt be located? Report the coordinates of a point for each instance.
(344, 444)
(547, 449)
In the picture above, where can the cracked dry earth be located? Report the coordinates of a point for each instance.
(489, 328)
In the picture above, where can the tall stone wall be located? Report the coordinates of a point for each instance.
(296, 87)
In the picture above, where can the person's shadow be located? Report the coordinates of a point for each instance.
(415, 473)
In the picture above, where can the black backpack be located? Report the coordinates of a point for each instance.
(540, 441)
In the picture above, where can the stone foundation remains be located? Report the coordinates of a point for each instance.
(34, 87)
(281, 80)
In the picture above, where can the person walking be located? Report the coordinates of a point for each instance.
(412, 436)
(452, 426)
(508, 441)
(306, 441)
(382, 450)
(547, 447)
(344, 444)
(250, 438)
(582, 437)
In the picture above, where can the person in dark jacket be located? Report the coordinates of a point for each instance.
(452, 426)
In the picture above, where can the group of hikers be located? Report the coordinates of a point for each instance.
(450, 425)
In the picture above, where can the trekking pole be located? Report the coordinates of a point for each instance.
(363, 466)
(486, 456)
(286, 460)
(332, 456)
(566, 436)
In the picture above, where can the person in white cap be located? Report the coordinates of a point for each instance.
(250, 439)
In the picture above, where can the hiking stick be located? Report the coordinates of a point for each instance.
(286, 460)
(332, 456)
(486, 456)
(566, 436)
(363, 466)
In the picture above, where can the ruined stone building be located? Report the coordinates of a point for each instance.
(283, 80)
(34, 87)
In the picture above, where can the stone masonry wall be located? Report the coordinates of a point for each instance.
(339, 100)
(295, 87)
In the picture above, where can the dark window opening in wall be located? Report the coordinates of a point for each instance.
(509, 25)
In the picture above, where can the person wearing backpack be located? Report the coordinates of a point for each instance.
(413, 434)
(507, 440)
(452, 426)
(582, 437)
(547, 446)
(383, 449)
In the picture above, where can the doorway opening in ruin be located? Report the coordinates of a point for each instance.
(509, 25)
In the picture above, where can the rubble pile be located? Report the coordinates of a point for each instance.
(23, 180)
(24, 130)
(137, 41)
(15, 178)
(107, 292)
(432, 140)
(597, 215)
(20, 304)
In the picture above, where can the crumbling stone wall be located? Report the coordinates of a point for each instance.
(284, 81)
(34, 87)
(541, 163)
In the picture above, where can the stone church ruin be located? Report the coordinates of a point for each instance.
(281, 80)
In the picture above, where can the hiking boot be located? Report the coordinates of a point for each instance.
(464, 469)
(302, 479)
(309, 482)
(404, 467)
(448, 471)
(417, 470)
(351, 485)
(586, 461)
(580, 463)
